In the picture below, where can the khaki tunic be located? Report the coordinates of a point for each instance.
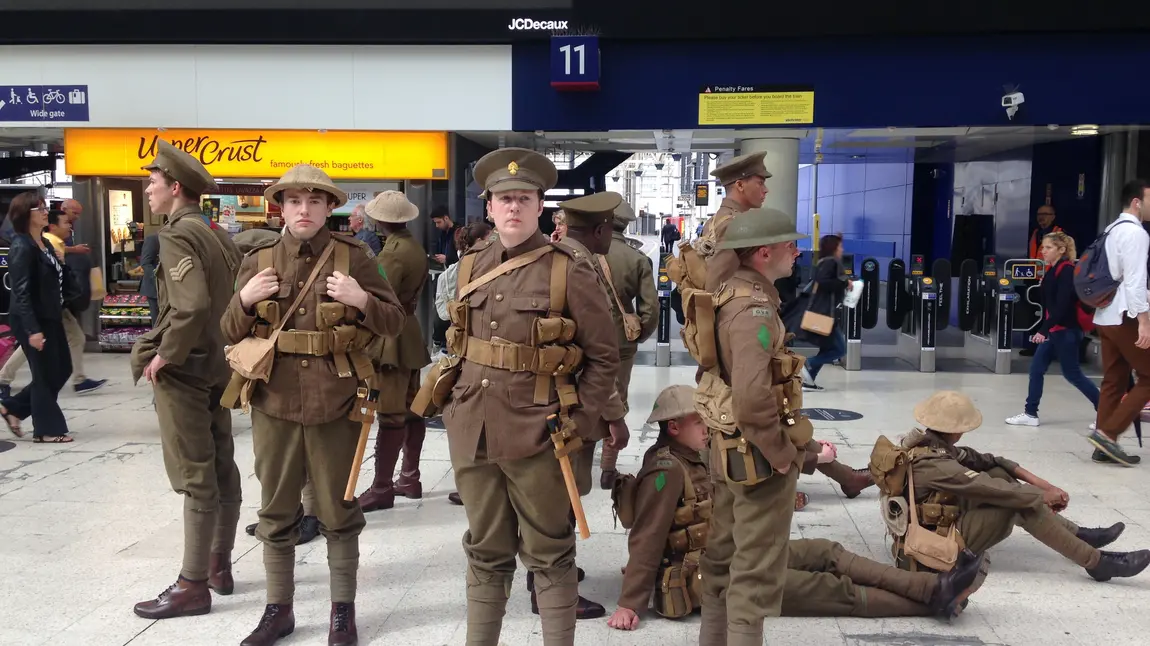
(655, 504)
(405, 264)
(500, 404)
(725, 261)
(306, 390)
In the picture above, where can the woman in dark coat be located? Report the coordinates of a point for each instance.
(830, 286)
(41, 284)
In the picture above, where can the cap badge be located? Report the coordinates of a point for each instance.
(513, 168)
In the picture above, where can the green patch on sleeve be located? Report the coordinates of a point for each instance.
(764, 337)
(382, 271)
(660, 481)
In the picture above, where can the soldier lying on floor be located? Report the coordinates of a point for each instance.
(667, 507)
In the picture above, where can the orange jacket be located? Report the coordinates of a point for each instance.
(1036, 241)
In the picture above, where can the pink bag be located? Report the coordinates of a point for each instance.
(8, 344)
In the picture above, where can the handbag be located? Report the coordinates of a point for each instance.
(815, 323)
(632, 325)
(253, 356)
(926, 547)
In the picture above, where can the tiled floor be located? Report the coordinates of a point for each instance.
(88, 529)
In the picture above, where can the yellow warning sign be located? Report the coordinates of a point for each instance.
(755, 105)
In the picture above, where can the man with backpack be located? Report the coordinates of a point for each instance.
(1112, 277)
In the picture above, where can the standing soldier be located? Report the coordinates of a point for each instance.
(587, 222)
(525, 311)
(744, 181)
(331, 299)
(630, 276)
(402, 358)
(759, 455)
(183, 358)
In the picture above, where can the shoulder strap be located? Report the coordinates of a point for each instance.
(913, 502)
(503, 268)
(558, 284)
(304, 290)
(611, 282)
(688, 484)
(463, 274)
(343, 258)
(264, 258)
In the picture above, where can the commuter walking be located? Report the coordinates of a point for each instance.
(41, 285)
(1060, 332)
(149, 261)
(829, 287)
(1124, 325)
(670, 236)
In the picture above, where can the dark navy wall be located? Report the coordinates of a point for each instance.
(1066, 79)
(1057, 167)
(869, 203)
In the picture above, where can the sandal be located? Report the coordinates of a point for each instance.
(14, 428)
(801, 500)
(52, 439)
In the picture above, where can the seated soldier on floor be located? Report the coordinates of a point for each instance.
(976, 499)
(667, 507)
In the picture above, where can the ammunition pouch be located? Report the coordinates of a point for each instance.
(267, 313)
(558, 330)
(679, 587)
(435, 391)
(938, 549)
(345, 344)
(688, 539)
(742, 462)
(689, 515)
(456, 336)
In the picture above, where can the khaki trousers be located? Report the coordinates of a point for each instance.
(288, 456)
(76, 340)
(623, 383)
(825, 580)
(746, 557)
(517, 507)
(199, 457)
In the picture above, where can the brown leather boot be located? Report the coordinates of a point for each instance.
(183, 598)
(220, 573)
(342, 631)
(381, 494)
(408, 484)
(852, 481)
(278, 622)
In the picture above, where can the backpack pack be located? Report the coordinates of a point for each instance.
(1092, 279)
(623, 500)
(1084, 316)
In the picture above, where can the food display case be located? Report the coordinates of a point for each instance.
(123, 319)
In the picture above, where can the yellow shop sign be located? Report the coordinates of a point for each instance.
(262, 154)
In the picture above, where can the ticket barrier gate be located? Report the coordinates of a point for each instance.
(917, 337)
(663, 335)
(986, 303)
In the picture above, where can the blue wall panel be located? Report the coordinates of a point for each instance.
(1067, 79)
(869, 203)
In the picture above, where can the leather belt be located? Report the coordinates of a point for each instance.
(312, 344)
(512, 357)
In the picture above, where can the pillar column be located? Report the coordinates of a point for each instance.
(782, 162)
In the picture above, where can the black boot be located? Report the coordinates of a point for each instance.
(1119, 564)
(1099, 537)
(250, 530)
(308, 530)
(955, 586)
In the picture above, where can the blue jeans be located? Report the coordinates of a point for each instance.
(834, 347)
(1062, 345)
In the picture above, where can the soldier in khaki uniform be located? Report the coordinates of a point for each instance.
(514, 326)
(744, 180)
(632, 281)
(822, 579)
(746, 559)
(247, 241)
(985, 495)
(302, 426)
(405, 262)
(183, 358)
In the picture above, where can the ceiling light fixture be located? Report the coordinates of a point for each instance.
(1084, 130)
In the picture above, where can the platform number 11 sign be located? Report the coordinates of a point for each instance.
(575, 63)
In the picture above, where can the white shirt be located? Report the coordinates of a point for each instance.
(1126, 252)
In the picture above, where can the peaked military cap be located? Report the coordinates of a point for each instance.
(624, 215)
(948, 411)
(392, 207)
(308, 178)
(758, 227)
(508, 169)
(674, 402)
(742, 167)
(183, 168)
(591, 210)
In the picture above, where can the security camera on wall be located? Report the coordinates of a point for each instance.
(1011, 102)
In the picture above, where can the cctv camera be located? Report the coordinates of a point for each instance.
(1011, 102)
(659, 166)
(676, 156)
